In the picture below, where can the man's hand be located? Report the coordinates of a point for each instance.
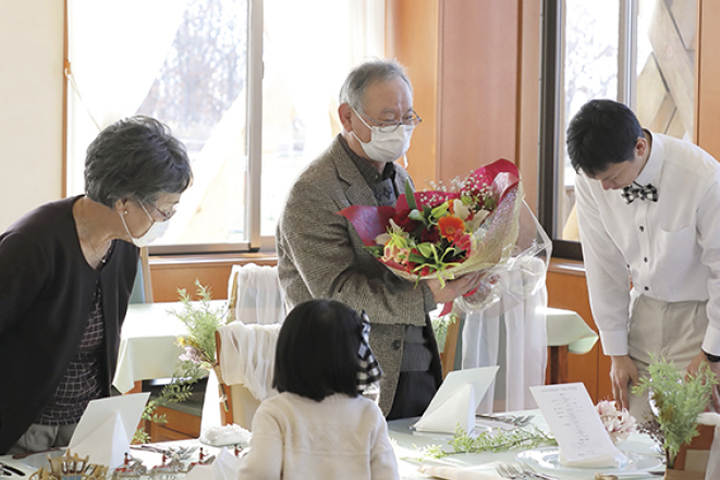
(714, 368)
(453, 288)
(696, 362)
(623, 373)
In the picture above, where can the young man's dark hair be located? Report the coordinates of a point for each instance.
(601, 134)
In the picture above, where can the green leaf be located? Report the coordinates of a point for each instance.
(416, 215)
(440, 210)
(426, 249)
(410, 196)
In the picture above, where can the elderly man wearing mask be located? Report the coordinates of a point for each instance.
(321, 256)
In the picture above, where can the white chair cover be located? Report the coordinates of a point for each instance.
(248, 356)
(523, 313)
(257, 294)
(248, 344)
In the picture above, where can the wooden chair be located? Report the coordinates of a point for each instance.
(237, 404)
(142, 288)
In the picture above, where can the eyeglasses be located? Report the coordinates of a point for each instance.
(411, 119)
(166, 216)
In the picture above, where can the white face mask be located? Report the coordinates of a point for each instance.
(386, 146)
(156, 230)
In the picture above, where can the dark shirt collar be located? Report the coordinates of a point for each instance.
(381, 184)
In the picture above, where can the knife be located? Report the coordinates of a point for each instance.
(9, 468)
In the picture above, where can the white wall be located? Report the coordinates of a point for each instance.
(31, 82)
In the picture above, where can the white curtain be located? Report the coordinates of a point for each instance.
(517, 302)
(116, 48)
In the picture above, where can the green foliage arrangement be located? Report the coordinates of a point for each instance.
(491, 441)
(201, 321)
(440, 327)
(679, 399)
(186, 375)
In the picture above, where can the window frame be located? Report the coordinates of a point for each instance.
(549, 150)
(255, 242)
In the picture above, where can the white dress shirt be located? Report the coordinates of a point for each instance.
(669, 249)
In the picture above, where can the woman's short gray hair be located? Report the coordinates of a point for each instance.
(135, 157)
(366, 74)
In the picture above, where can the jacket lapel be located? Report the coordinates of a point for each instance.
(357, 192)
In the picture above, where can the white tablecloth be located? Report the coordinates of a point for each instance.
(148, 343)
(406, 444)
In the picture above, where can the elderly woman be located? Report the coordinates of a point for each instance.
(66, 273)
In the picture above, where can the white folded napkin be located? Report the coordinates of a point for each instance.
(454, 404)
(232, 434)
(107, 427)
(455, 473)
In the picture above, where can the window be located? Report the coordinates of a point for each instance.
(250, 87)
(639, 52)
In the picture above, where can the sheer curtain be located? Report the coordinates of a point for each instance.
(115, 49)
(511, 330)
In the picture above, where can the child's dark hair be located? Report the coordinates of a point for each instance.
(601, 134)
(317, 350)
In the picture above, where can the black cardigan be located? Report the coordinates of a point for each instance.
(46, 294)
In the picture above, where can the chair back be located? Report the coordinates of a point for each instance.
(246, 345)
(255, 295)
(142, 288)
(237, 404)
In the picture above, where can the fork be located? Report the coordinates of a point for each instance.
(519, 421)
(508, 471)
(529, 471)
(520, 470)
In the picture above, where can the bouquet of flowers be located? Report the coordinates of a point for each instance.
(447, 232)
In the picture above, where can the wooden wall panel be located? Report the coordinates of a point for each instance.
(707, 104)
(528, 98)
(478, 78)
(412, 38)
(567, 289)
(168, 274)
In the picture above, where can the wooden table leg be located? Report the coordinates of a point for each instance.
(558, 365)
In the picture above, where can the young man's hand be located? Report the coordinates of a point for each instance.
(623, 374)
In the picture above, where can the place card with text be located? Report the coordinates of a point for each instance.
(577, 427)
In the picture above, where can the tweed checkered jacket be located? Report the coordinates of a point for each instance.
(321, 256)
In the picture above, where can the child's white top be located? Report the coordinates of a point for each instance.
(294, 437)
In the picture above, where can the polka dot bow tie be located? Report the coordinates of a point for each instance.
(643, 192)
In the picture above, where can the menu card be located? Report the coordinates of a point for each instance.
(577, 427)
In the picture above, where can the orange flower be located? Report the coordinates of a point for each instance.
(450, 226)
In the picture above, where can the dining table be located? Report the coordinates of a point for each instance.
(410, 447)
(411, 452)
(149, 346)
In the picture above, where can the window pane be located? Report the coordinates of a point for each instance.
(666, 66)
(589, 70)
(200, 93)
(309, 47)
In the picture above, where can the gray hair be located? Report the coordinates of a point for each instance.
(366, 74)
(135, 157)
